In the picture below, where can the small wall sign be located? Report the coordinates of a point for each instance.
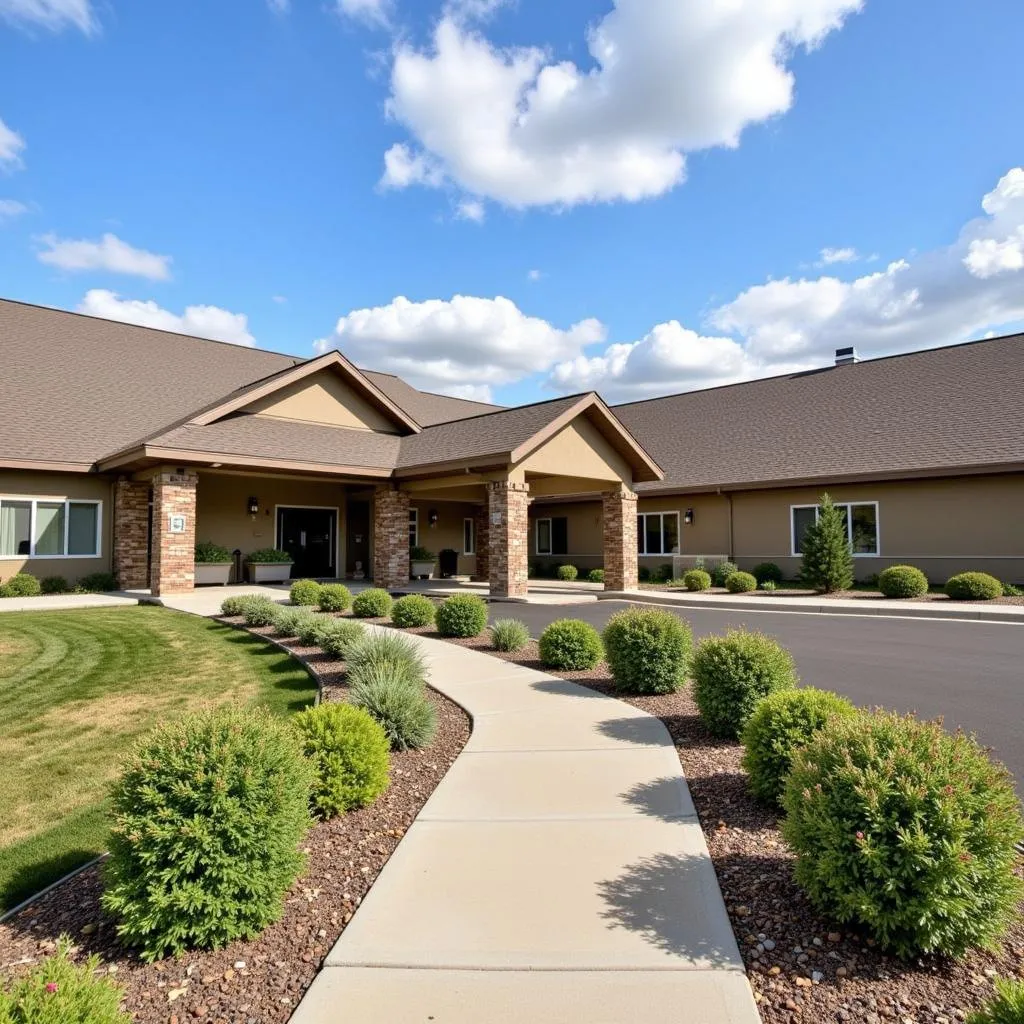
(176, 524)
(496, 518)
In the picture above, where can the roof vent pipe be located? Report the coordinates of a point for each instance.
(845, 356)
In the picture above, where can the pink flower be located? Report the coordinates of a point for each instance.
(51, 986)
(860, 835)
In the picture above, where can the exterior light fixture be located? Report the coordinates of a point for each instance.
(432, 517)
(688, 517)
(253, 505)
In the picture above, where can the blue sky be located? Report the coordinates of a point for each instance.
(637, 196)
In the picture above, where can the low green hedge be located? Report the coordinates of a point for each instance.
(570, 645)
(305, 592)
(696, 580)
(412, 610)
(372, 604)
(462, 615)
(335, 597)
(595, 576)
(740, 583)
(973, 586)
(765, 572)
(567, 573)
(902, 581)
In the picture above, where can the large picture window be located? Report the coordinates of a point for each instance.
(49, 528)
(860, 517)
(552, 537)
(657, 533)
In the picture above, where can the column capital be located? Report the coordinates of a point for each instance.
(508, 485)
(621, 492)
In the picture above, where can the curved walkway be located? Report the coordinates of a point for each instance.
(557, 874)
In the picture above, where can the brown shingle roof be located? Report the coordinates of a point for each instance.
(946, 408)
(425, 407)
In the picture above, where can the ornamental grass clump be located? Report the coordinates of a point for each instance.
(462, 615)
(509, 635)
(740, 583)
(390, 651)
(260, 611)
(412, 610)
(902, 581)
(973, 586)
(696, 580)
(350, 755)
(305, 592)
(292, 621)
(570, 645)
(782, 723)
(232, 607)
(208, 814)
(905, 831)
(732, 673)
(338, 637)
(310, 627)
(335, 597)
(1005, 1007)
(648, 650)
(372, 604)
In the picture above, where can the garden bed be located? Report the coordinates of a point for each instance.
(786, 591)
(264, 979)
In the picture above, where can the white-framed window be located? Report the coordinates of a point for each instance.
(552, 536)
(657, 533)
(414, 527)
(469, 536)
(50, 527)
(861, 518)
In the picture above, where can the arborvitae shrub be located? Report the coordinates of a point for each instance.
(827, 562)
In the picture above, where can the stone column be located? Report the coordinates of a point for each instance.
(390, 538)
(173, 567)
(508, 529)
(131, 533)
(482, 536)
(620, 551)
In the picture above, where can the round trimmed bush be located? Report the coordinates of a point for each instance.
(338, 637)
(509, 634)
(732, 673)
(648, 650)
(208, 814)
(372, 604)
(260, 611)
(305, 592)
(412, 610)
(53, 585)
(22, 584)
(906, 831)
(335, 597)
(697, 580)
(721, 572)
(462, 615)
(570, 645)
(765, 572)
(740, 583)
(350, 755)
(902, 581)
(781, 723)
(973, 586)
(595, 576)
(398, 703)
(567, 573)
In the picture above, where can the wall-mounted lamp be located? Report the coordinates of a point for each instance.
(688, 517)
(432, 517)
(253, 506)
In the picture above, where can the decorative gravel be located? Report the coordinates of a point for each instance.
(790, 593)
(262, 981)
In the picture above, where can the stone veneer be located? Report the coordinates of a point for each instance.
(390, 538)
(508, 529)
(173, 568)
(620, 541)
(482, 540)
(131, 533)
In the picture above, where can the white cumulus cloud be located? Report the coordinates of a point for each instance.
(109, 253)
(12, 145)
(668, 77)
(844, 255)
(463, 346)
(201, 321)
(11, 208)
(50, 14)
(371, 12)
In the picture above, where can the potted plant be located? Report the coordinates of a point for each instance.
(213, 563)
(421, 563)
(269, 565)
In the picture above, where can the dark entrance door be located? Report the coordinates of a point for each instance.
(308, 535)
(357, 538)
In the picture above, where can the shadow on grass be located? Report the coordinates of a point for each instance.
(292, 683)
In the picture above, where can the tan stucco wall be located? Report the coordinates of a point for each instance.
(60, 485)
(579, 450)
(448, 531)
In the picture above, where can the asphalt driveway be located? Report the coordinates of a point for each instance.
(970, 673)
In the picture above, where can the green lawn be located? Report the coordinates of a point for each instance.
(76, 687)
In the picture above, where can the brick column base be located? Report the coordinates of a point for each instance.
(482, 538)
(131, 534)
(508, 528)
(390, 538)
(620, 551)
(173, 568)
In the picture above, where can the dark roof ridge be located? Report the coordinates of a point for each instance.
(509, 408)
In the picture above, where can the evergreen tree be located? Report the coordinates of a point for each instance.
(827, 559)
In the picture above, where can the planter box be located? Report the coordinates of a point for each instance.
(269, 572)
(418, 569)
(213, 572)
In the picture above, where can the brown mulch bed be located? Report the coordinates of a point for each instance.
(802, 968)
(800, 592)
(262, 981)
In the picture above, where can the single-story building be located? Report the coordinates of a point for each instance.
(122, 446)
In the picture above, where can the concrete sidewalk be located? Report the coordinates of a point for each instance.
(61, 602)
(557, 874)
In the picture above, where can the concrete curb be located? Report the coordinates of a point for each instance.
(28, 901)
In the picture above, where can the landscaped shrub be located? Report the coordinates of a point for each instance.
(906, 831)
(350, 755)
(235, 606)
(310, 626)
(721, 571)
(398, 703)
(269, 556)
(372, 604)
(412, 610)
(208, 815)
(643, 574)
(1009, 590)
(765, 571)
(338, 637)
(305, 592)
(697, 580)
(570, 645)
(732, 673)
(59, 991)
(53, 585)
(509, 634)
(462, 615)
(595, 576)
(902, 581)
(827, 560)
(390, 652)
(208, 553)
(96, 583)
(567, 573)
(1005, 1007)
(769, 586)
(973, 586)
(22, 584)
(291, 621)
(648, 650)
(260, 611)
(782, 722)
(740, 583)
(335, 597)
